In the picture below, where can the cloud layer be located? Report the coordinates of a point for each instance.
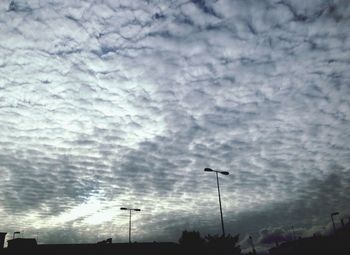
(106, 104)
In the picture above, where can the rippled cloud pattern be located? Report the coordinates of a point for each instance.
(107, 103)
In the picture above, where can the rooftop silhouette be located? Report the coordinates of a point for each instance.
(190, 242)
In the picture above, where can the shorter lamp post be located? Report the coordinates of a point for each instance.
(333, 214)
(293, 233)
(217, 181)
(130, 209)
(14, 234)
(252, 244)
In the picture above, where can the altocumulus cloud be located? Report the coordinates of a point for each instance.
(123, 103)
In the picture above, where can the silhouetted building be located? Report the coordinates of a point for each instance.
(21, 243)
(2, 240)
(22, 246)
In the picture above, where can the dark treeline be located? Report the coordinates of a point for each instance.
(192, 242)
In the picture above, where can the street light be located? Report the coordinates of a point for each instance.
(252, 244)
(333, 214)
(14, 233)
(130, 209)
(293, 233)
(217, 181)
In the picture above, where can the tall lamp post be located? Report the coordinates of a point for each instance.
(130, 210)
(333, 214)
(217, 181)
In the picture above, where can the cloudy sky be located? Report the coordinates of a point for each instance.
(107, 104)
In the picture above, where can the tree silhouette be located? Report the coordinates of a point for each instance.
(223, 244)
(193, 243)
(191, 238)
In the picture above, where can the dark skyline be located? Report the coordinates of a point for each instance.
(107, 104)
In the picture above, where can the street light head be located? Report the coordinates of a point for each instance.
(208, 169)
(224, 173)
(137, 210)
(335, 213)
(123, 208)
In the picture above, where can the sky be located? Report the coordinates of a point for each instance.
(107, 104)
